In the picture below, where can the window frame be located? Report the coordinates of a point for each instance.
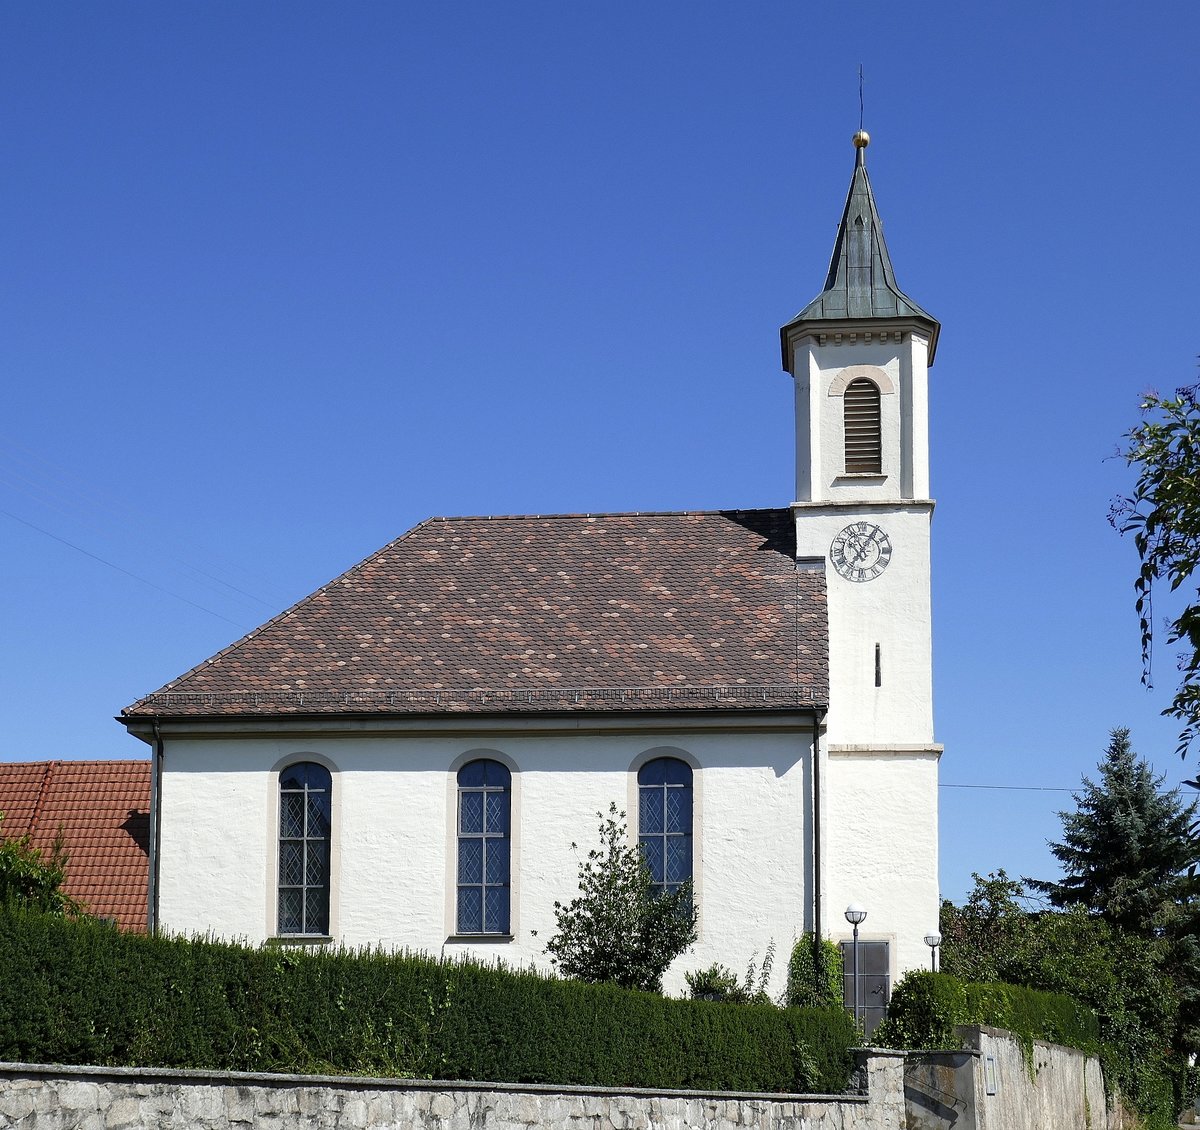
(654, 757)
(275, 885)
(458, 790)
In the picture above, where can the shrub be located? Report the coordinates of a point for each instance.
(815, 972)
(82, 992)
(926, 1007)
(618, 928)
(31, 880)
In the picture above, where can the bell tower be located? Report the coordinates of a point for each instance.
(859, 354)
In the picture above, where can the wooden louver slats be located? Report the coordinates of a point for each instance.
(864, 442)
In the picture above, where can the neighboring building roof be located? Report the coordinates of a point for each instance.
(861, 283)
(103, 810)
(569, 612)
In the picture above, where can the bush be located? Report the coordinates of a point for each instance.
(31, 880)
(815, 973)
(82, 992)
(926, 1007)
(718, 983)
(619, 929)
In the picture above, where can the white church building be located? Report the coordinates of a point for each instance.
(406, 756)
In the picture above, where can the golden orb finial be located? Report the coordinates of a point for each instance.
(862, 139)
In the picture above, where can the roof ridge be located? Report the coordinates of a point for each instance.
(599, 514)
(41, 796)
(277, 618)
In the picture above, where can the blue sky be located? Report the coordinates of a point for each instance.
(277, 281)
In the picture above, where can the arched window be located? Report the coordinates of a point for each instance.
(665, 821)
(304, 826)
(864, 438)
(484, 794)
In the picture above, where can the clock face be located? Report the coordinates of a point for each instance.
(860, 552)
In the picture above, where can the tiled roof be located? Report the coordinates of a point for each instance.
(570, 612)
(103, 809)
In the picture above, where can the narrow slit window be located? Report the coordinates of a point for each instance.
(864, 434)
(484, 811)
(665, 822)
(304, 829)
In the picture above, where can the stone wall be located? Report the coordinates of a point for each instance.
(991, 1087)
(40, 1097)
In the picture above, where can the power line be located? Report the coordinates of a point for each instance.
(1012, 788)
(118, 568)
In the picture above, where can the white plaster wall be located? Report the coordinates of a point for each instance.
(393, 839)
(880, 820)
(892, 610)
(820, 418)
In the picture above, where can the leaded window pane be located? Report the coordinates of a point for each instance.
(318, 816)
(290, 902)
(679, 810)
(314, 870)
(470, 861)
(650, 810)
(679, 859)
(496, 910)
(470, 807)
(470, 910)
(472, 775)
(315, 911)
(652, 851)
(291, 815)
(496, 816)
(496, 856)
(291, 863)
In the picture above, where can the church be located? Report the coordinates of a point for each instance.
(408, 756)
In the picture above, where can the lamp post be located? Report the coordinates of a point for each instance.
(933, 941)
(855, 914)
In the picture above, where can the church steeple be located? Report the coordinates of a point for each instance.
(860, 353)
(861, 283)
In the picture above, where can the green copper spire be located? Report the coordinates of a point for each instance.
(861, 284)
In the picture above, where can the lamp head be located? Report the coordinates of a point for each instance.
(855, 914)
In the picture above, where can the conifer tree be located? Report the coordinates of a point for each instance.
(1128, 850)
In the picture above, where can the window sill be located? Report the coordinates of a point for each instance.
(458, 939)
(860, 477)
(301, 940)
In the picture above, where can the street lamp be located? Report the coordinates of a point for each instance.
(855, 914)
(933, 941)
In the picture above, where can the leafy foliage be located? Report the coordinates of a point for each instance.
(979, 938)
(82, 992)
(33, 881)
(996, 937)
(1128, 848)
(815, 971)
(617, 929)
(1163, 515)
(925, 1008)
(719, 983)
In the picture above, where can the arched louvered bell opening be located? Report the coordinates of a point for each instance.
(864, 437)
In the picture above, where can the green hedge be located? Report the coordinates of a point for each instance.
(926, 1007)
(81, 992)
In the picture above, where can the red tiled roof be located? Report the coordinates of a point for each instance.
(569, 612)
(103, 809)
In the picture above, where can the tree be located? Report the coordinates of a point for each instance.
(980, 938)
(1128, 850)
(617, 929)
(33, 882)
(1163, 514)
